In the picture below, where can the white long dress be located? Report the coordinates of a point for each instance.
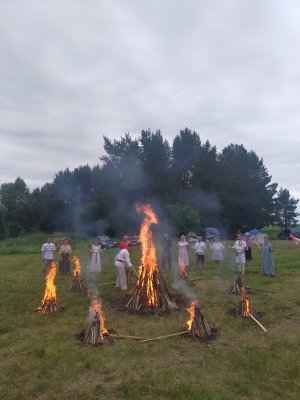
(96, 260)
(183, 257)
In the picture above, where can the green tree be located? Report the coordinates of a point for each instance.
(15, 197)
(3, 222)
(285, 209)
(245, 188)
(184, 218)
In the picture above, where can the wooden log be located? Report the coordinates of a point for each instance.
(261, 290)
(262, 327)
(126, 337)
(164, 337)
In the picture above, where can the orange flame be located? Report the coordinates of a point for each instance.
(191, 311)
(246, 302)
(97, 307)
(149, 260)
(50, 290)
(76, 270)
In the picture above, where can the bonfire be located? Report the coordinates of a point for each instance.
(150, 291)
(49, 304)
(95, 333)
(245, 308)
(197, 326)
(76, 285)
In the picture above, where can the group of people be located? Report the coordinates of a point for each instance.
(242, 247)
(48, 255)
(124, 267)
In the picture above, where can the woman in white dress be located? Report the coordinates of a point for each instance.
(183, 257)
(96, 260)
(217, 252)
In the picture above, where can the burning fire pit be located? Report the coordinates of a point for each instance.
(76, 285)
(246, 309)
(197, 325)
(150, 293)
(95, 334)
(49, 304)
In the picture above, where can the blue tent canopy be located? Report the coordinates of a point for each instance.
(256, 232)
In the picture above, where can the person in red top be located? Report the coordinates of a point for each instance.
(124, 243)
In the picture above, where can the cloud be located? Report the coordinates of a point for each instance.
(72, 71)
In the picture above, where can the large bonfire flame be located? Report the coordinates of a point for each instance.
(49, 304)
(150, 292)
(76, 285)
(95, 333)
(197, 325)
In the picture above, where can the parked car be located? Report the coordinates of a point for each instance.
(133, 239)
(106, 242)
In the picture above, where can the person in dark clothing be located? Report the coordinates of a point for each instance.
(166, 251)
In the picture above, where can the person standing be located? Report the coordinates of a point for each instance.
(217, 248)
(183, 257)
(96, 261)
(267, 257)
(65, 252)
(123, 266)
(199, 248)
(166, 251)
(48, 254)
(248, 240)
(240, 247)
(124, 243)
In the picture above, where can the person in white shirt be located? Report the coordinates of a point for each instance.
(217, 252)
(122, 263)
(48, 254)
(240, 247)
(199, 248)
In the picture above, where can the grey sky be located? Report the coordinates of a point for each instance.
(72, 71)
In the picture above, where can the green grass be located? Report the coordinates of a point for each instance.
(41, 359)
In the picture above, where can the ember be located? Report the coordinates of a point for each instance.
(49, 304)
(197, 324)
(96, 333)
(150, 291)
(76, 285)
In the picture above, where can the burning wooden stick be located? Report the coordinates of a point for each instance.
(49, 304)
(254, 319)
(76, 285)
(150, 292)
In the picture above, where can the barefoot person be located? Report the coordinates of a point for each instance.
(183, 257)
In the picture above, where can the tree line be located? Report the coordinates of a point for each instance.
(190, 184)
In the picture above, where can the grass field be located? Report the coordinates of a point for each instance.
(41, 359)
